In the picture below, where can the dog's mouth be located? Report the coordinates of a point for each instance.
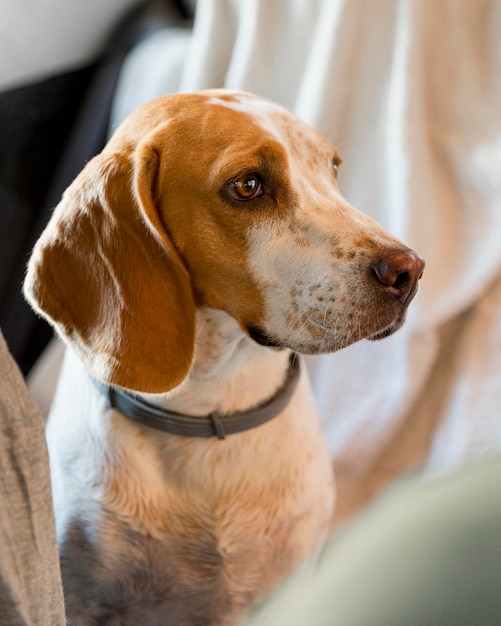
(262, 338)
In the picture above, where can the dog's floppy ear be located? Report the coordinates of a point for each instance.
(106, 275)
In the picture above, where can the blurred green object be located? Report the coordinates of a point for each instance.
(427, 553)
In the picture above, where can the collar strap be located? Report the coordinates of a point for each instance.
(210, 425)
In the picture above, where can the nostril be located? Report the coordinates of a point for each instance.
(401, 280)
(400, 271)
(385, 273)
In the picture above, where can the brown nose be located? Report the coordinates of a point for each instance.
(400, 271)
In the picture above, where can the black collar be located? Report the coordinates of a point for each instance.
(210, 425)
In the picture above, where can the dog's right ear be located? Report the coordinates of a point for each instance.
(106, 275)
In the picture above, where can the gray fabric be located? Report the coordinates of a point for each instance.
(30, 582)
(428, 553)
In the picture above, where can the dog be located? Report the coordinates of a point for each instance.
(188, 267)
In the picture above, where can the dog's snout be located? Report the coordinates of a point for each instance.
(401, 271)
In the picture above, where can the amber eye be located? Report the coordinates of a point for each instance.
(336, 162)
(246, 187)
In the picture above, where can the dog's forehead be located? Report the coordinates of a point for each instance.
(261, 113)
(273, 119)
(258, 109)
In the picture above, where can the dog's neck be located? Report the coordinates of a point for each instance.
(230, 372)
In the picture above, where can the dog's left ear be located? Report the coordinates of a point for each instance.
(106, 275)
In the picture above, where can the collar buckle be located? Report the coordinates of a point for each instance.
(217, 425)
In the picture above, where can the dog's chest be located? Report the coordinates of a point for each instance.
(188, 576)
(185, 531)
(186, 552)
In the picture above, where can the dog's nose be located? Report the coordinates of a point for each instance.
(400, 271)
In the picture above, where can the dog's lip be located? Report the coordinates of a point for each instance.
(383, 332)
(391, 328)
(262, 338)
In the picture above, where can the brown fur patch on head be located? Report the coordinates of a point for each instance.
(200, 153)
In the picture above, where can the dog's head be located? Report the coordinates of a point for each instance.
(221, 200)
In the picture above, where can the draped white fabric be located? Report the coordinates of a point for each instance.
(409, 91)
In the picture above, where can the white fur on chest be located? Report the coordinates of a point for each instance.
(261, 500)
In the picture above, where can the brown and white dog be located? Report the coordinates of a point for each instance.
(204, 245)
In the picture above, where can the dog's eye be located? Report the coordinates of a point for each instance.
(336, 162)
(246, 187)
